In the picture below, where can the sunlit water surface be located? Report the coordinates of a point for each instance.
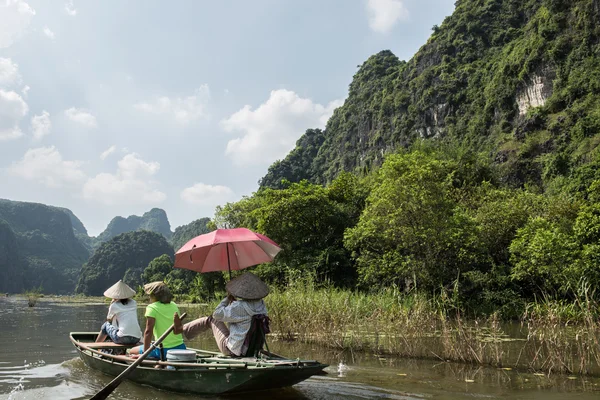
(37, 361)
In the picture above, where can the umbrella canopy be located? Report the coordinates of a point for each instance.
(226, 250)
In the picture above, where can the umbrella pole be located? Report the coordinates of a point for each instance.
(228, 261)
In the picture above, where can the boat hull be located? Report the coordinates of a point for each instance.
(211, 379)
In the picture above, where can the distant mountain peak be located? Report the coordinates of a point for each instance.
(155, 220)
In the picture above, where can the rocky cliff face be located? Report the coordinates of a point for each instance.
(536, 91)
(473, 83)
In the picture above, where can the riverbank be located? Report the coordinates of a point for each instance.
(550, 337)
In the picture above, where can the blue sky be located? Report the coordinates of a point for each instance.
(114, 107)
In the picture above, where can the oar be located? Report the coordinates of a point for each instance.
(108, 389)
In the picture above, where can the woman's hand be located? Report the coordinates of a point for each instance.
(178, 325)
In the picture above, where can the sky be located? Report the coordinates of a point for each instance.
(115, 107)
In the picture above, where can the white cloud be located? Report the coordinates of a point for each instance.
(9, 72)
(48, 32)
(383, 14)
(108, 152)
(82, 117)
(12, 109)
(183, 110)
(45, 165)
(201, 194)
(131, 166)
(271, 130)
(132, 184)
(15, 16)
(25, 90)
(70, 8)
(41, 125)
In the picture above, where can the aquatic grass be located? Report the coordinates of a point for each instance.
(33, 295)
(553, 337)
(565, 337)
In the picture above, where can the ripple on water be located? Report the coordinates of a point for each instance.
(332, 388)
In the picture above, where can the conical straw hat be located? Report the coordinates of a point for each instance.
(119, 291)
(248, 286)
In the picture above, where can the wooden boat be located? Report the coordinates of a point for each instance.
(211, 373)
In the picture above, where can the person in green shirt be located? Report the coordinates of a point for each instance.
(160, 314)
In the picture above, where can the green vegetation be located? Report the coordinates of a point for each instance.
(39, 248)
(185, 284)
(123, 257)
(11, 262)
(464, 86)
(184, 233)
(462, 185)
(476, 167)
(308, 222)
(411, 325)
(33, 295)
(432, 219)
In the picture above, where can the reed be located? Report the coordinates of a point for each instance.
(564, 337)
(32, 297)
(552, 337)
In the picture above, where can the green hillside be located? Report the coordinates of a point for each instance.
(517, 79)
(184, 233)
(12, 266)
(41, 242)
(469, 174)
(123, 257)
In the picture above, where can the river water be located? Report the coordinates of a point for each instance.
(37, 361)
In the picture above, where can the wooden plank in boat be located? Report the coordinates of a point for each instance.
(106, 345)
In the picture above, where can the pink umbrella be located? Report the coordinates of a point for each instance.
(226, 249)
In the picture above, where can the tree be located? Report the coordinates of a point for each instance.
(123, 257)
(158, 269)
(412, 232)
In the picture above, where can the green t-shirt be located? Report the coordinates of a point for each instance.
(163, 314)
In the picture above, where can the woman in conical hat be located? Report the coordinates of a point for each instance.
(121, 324)
(244, 300)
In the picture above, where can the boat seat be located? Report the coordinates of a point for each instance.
(256, 336)
(108, 345)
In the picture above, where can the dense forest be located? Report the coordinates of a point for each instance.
(123, 257)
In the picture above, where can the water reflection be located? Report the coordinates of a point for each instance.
(38, 361)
